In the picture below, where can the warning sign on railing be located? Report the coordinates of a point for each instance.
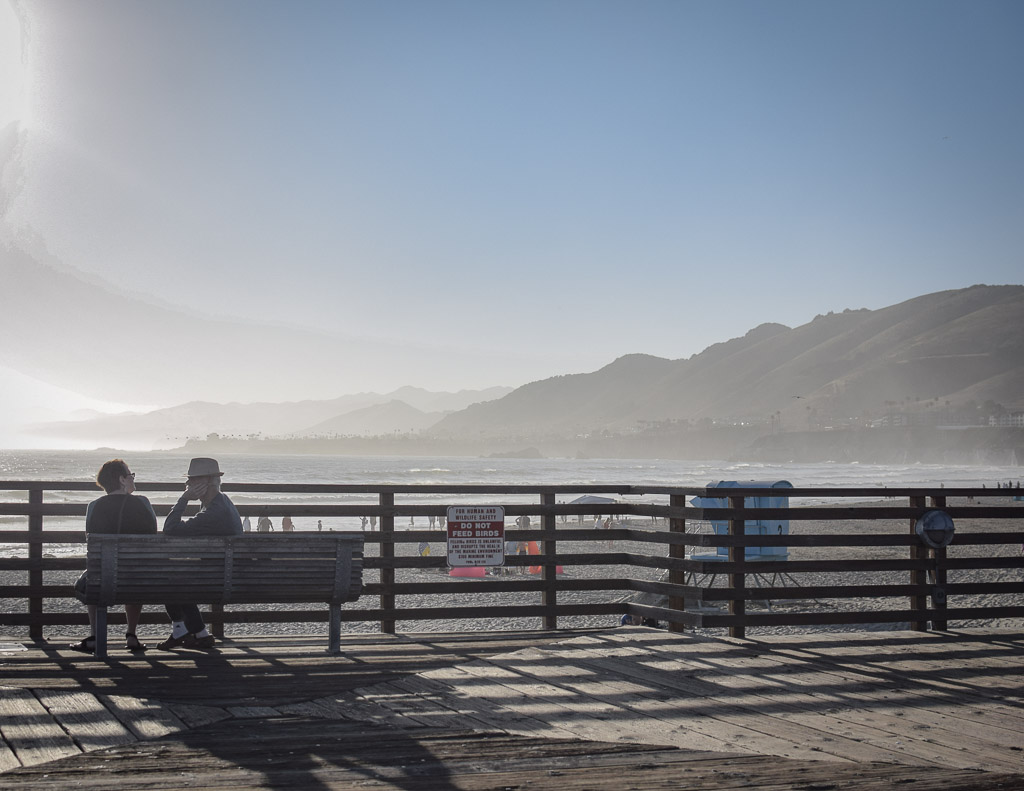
(476, 535)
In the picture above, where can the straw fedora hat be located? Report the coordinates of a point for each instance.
(198, 468)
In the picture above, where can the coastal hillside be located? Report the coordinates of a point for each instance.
(375, 420)
(953, 358)
(936, 354)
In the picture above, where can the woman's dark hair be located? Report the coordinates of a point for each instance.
(109, 476)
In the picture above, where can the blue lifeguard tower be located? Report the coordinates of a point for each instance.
(774, 498)
(762, 527)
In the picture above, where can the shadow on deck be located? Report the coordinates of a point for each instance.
(621, 708)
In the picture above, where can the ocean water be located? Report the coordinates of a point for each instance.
(367, 470)
(170, 466)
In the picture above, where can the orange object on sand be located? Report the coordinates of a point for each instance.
(468, 571)
(533, 549)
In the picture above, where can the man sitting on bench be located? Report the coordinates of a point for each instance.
(218, 517)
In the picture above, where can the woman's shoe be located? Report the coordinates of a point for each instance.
(132, 643)
(86, 646)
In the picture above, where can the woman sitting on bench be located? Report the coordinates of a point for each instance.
(117, 512)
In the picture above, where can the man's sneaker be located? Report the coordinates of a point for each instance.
(173, 642)
(191, 641)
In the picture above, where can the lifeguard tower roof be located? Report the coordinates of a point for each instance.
(750, 485)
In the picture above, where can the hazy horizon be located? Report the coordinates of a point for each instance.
(459, 195)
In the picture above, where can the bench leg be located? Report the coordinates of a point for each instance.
(334, 630)
(101, 632)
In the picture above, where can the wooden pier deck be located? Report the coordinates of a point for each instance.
(607, 709)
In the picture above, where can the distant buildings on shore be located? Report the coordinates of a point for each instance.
(938, 420)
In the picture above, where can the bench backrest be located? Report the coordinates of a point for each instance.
(252, 568)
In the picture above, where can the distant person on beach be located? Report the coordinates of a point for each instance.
(118, 511)
(319, 525)
(217, 517)
(522, 549)
(511, 548)
(263, 524)
(287, 526)
(246, 525)
(608, 525)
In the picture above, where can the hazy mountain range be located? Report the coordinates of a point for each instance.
(954, 346)
(406, 409)
(940, 352)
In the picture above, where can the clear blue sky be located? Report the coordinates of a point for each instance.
(563, 181)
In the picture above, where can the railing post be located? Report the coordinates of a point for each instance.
(677, 576)
(35, 572)
(738, 582)
(387, 556)
(549, 596)
(918, 551)
(939, 555)
(217, 620)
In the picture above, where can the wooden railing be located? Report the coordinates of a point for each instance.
(938, 585)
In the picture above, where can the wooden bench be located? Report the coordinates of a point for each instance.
(248, 569)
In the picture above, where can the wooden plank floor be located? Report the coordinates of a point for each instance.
(306, 754)
(467, 710)
(251, 671)
(910, 698)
